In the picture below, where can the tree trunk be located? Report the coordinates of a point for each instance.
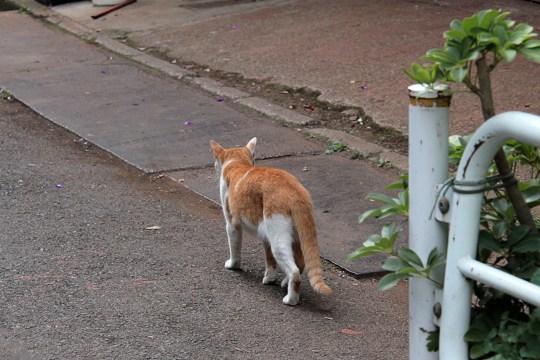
(523, 212)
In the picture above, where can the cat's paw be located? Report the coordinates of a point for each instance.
(232, 265)
(291, 300)
(268, 280)
(270, 276)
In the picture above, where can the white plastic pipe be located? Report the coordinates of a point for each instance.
(428, 167)
(465, 219)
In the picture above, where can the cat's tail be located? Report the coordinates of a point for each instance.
(305, 226)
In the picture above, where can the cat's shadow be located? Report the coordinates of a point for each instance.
(309, 300)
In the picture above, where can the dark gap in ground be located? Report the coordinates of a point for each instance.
(6, 5)
(350, 119)
(216, 3)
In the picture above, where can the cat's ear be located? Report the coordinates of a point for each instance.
(251, 145)
(216, 148)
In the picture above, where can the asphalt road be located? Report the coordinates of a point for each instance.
(81, 276)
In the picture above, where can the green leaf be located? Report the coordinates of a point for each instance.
(441, 56)
(419, 74)
(394, 264)
(484, 322)
(368, 214)
(532, 54)
(435, 258)
(531, 350)
(378, 244)
(479, 350)
(508, 55)
(433, 255)
(410, 74)
(454, 34)
(423, 76)
(453, 51)
(373, 240)
(469, 23)
(364, 251)
(503, 207)
(475, 335)
(486, 38)
(390, 230)
(520, 33)
(456, 25)
(486, 18)
(466, 50)
(535, 279)
(409, 271)
(500, 228)
(488, 242)
(410, 256)
(531, 44)
(403, 198)
(387, 210)
(526, 269)
(433, 341)
(458, 74)
(531, 194)
(388, 281)
(382, 198)
(500, 19)
(396, 186)
(517, 235)
(529, 244)
(500, 32)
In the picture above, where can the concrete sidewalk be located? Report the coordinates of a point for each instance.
(161, 125)
(351, 51)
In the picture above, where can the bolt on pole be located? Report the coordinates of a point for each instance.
(428, 167)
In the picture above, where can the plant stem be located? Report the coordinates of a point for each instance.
(523, 212)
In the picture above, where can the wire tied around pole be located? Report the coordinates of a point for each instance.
(473, 187)
(481, 186)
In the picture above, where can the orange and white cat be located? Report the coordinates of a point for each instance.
(272, 204)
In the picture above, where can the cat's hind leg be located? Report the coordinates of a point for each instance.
(292, 279)
(280, 236)
(271, 272)
(234, 234)
(298, 259)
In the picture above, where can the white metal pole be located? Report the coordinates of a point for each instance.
(428, 167)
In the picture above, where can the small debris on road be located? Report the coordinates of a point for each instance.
(351, 332)
(154, 227)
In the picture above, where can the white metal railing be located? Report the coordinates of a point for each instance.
(428, 173)
(464, 227)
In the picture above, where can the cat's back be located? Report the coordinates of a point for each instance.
(270, 182)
